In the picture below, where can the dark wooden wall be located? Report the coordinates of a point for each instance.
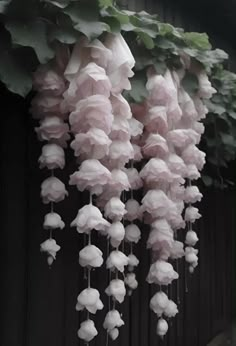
(37, 304)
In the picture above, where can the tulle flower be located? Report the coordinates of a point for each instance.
(92, 175)
(53, 190)
(53, 221)
(50, 247)
(132, 233)
(117, 260)
(116, 233)
(89, 299)
(53, 129)
(52, 156)
(90, 256)
(116, 289)
(161, 273)
(87, 330)
(89, 217)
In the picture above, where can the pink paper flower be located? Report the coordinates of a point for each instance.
(89, 299)
(192, 194)
(161, 273)
(53, 129)
(176, 164)
(137, 152)
(53, 190)
(136, 128)
(92, 175)
(116, 289)
(177, 250)
(115, 209)
(87, 330)
(192, 172)
(191, 214)
(161, 236)
(120, 153)
(46, 79)
(192, 155)
(156, 171)
(117, 260)
(181, 138)
(134, 179)
(120, 106)
(93, 144)
(99, 53)
(120, 129)
(156, 120)
(155, 145)
(52, 156)
(116, 233)
(156, 203)
(44, 104)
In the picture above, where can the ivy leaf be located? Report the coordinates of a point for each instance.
(232, 114)
(190, 83)
(91, 29)
(59, 3)
(197, 40)
(34, 35)
(138, 91)
(104, 3)
(146, 39)
(214, 107)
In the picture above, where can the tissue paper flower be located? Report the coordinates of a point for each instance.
(53, 190)
(116, 289)
(176, 164)
(133, 261)
(50, 246)
(191, 238)
(137, 152)
(130, 280)
(192, 194)
(156, 120)
(52, 157)
(191, 214)
(93, 144)
(119, 181)
(89, 217)
(53, 129)
(191, 255)
(46, 79)
(192, 172)
(159, 303)
(89, 299)
(117, 260)
(53, 221)
(161, 273)
(87, 330)
(44, 105)
(156, 203)
(156, 170)
(92, 175)
(120, 106)
(132, 233)
(177, 250)
(120, 129)
(93, 112)
(120, 152)
(155, 145)
(90, 256)
(162, 327)
(133, 210)
(112, 320)
(114, 209)
(205, 90)
(171, 309)
(99, 53)
(114, 333)
(134, 178)
(116, 233)
(192, 155)
(161, 236)
(181, 138)
(136, 127)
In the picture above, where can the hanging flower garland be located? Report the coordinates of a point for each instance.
(47, 106)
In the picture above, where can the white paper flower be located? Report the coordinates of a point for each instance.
(176, 164)
(133, 210)
(159, 303)
(116, 289)
(177, 250)
(191, 214)
(91, 256)
(132, 233)
(192, 172)
(50, 246)
(52, 157)
(130, 280)
(156, 203)
(53, 221)
(161, 237)
(205, 90)
(113, 320)
(193, 156)
(136, 127)
(53, 190)
(116, 233)
(161, 273)
(87, 330)
(171, 309)
(114, 333)
(115, 209)
(92, 175)
(89, 217)
(134, 178)
(117, 260)
(162, 327)
(120, 129)
(133, 261)
(192, 194)
(120, 152)
(89, 299)
(191, 255)
(191, 238)
(156, 170)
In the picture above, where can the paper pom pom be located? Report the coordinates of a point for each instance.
(112, 320)
(133, 261)
(114, 333)
(117, 260)
(133, 210)
(171, 309)
(192, 194)
(89, 217)
(90, 256)
(156, 203)
(92, 112)
(53, 190)
(116, 289)
(116, 233)
(156, 171)
(52, 157)
(92, 175)
(87, 330)
(155, 145)
(134, 178)
(93, 144)
(120, 129)
(191, 238)
(177, 250)
(132, 233)
(131, 281)
(115, 209)
(159, 303)
(192, 155)
(89, 299)
(162, 327)
(53, 129)
(47, 80)
(191, 214)
(50, 246)
(156, 120)
(161, 273)
(53, 221)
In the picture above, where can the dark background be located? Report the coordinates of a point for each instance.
(37, 303)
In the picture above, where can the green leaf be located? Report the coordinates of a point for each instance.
(91, 29)
(146, 39)
(13, 75)
(197, 40)
(208, 181)
(104, 3)
(232, 114)
(34, 35)
(138, 91)
(214, 107)
(190, 83)
(3, 5)
(59, 3)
